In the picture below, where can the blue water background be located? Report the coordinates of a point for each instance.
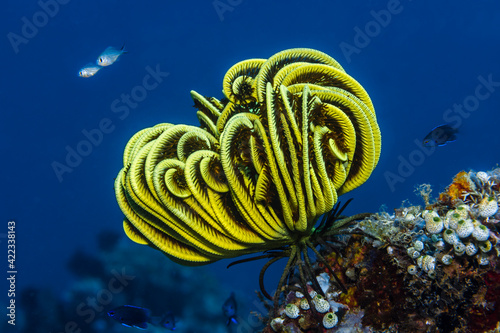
(428, 56)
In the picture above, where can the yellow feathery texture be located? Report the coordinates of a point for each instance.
(291, 134)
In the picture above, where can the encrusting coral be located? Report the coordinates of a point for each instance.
(410, 276)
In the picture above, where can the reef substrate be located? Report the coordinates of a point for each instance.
(430, 268)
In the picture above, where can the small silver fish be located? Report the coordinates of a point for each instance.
(110, 55)
(89, 70)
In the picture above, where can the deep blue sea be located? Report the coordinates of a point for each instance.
(424, 63)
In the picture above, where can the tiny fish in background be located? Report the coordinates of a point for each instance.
(89, 70)
(131, 316)
(137, 317)
(229, 309)
(440, 136)
(168, 321)
(110, 55)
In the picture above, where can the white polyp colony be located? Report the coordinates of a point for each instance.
(482, 176)
(428, 215)
(330, 320)
(450, 236)
(418, 245)
(446, 259)
(277, 324)
(459, 248)
(488, 207)
(485, 246)
(292, 311)
(304, 304)
(320, 304)
(452, 218)
(434, 225)
(463, 211)
(412, 270)
(440, 245)
(470, 249)
(428, 263)
(464, 228)
(409, 217)
(481, 233)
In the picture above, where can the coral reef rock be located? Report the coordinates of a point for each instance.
(432, 268)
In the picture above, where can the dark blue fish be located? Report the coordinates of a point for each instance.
(440, 136)
(131, 316)
(137, 317)
(229, 309)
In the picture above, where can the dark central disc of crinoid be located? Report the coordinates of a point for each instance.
(299, 268)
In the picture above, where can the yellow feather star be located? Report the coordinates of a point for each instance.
(292, 134)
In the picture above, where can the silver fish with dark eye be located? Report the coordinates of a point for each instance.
(110, 55)
(89, 70)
